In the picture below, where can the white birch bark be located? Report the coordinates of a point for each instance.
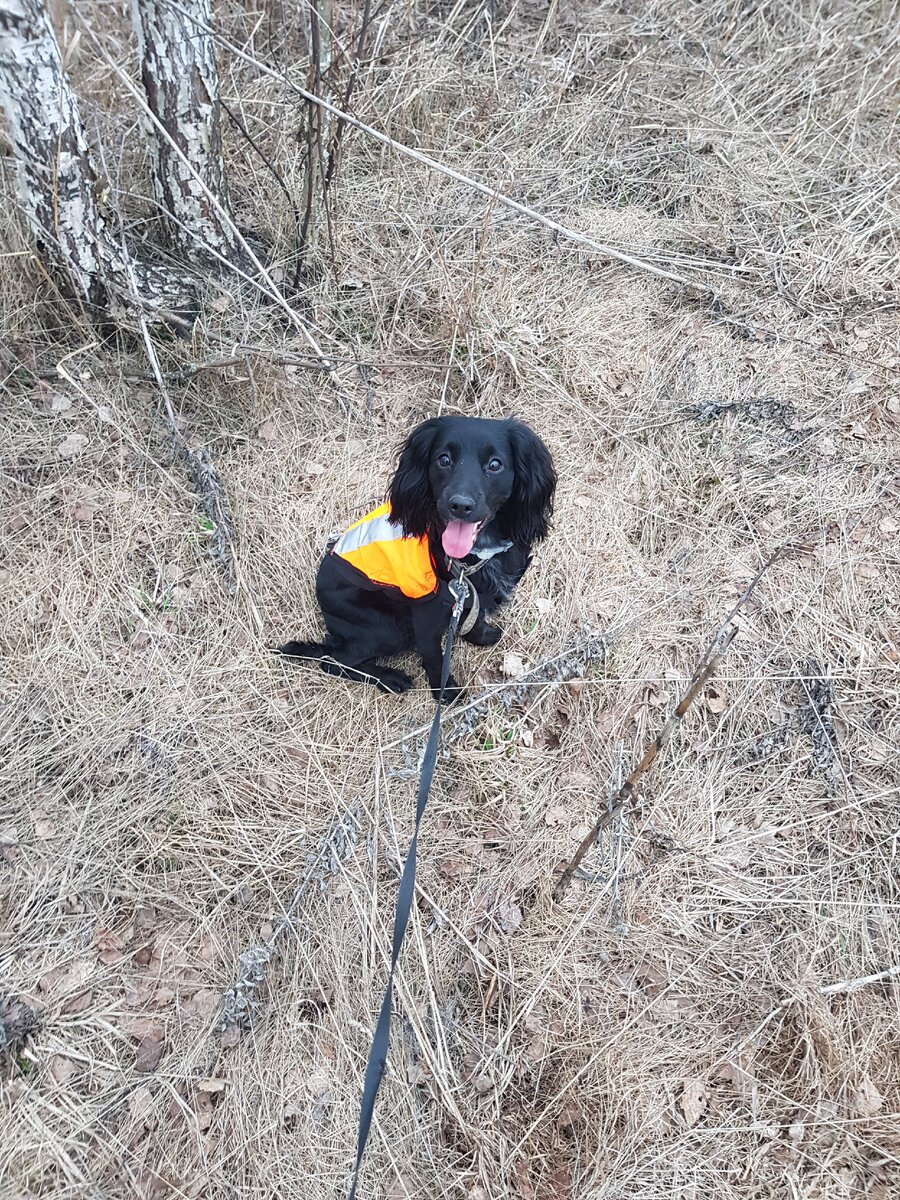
(178, 70)
(60, 189)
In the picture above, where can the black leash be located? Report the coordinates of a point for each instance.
(378, 1053)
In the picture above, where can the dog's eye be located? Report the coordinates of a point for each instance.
(443, 460)
(495, 465)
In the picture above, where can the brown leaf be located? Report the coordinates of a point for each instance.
(560, 1183)
(72, 445)
(231, 1037)
(84, 508)
(867, 1100)
(109, 946)
(209, 948)
(204, 1104)
(150, 1050)
(522, 1180)
(144, 955)
(44, 827)
(142, 1105)
(79, 998)
(692, 1101)
(716, 700)
(509, 915)
(454, 867)
(212, 1085)
(202, 1006)
(404, 1187)
(513, 666)
(62, 1069)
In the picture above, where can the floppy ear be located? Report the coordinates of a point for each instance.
(412, 504)
(531, 503)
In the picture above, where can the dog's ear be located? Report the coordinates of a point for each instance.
(531, 504)
(412, 504)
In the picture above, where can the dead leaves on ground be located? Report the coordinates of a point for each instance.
(692, 1101)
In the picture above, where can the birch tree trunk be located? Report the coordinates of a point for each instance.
(178, 69)
(60, 188)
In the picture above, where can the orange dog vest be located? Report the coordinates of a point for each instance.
(383, 553)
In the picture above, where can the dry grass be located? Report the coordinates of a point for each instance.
(663, 1032)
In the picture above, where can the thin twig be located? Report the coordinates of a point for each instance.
(712, 656)
(853, 985)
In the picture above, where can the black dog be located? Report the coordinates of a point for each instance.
(465, 489)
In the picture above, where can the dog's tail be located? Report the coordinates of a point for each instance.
(315, 651)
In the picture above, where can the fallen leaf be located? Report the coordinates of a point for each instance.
(867, 1100)
(509, 915)
(893, 404)
(78, 997)
(142, 1105)
(513, 666)
(213, 1086)
(889, 525)
(202, 1006)
(266, 431)
(145, 918)
(318, 1084)
(692, 1101)
(231, 1037)
(522, 1179)
(150, 1049)
(72, 445)
(109, 946)
(203, 1107)
(62, 1069)
(560, 1183)
(570, 1114)
(83, 509)
(138, 1027)
(454, 867)
(44, 828)
(716, 700)
(402, 1188)
(555, 815)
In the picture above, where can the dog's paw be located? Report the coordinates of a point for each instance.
(484, 634)
(394, 682)
(452, 692)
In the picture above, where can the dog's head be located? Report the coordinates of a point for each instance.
(457, 474)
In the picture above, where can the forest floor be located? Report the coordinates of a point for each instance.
(686, 1022)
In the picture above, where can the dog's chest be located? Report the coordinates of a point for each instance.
(497, 575)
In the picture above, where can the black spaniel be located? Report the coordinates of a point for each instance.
(466, 490)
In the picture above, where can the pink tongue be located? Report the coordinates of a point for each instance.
(459, 538)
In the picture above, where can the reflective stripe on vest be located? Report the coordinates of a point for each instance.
(381, 551)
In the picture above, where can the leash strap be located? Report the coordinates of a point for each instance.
(377, 1062)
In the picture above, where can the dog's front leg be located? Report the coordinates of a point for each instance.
(430, 621)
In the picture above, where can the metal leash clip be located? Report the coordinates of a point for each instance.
(461, 589)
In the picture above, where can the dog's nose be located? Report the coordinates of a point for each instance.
(462, 507)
